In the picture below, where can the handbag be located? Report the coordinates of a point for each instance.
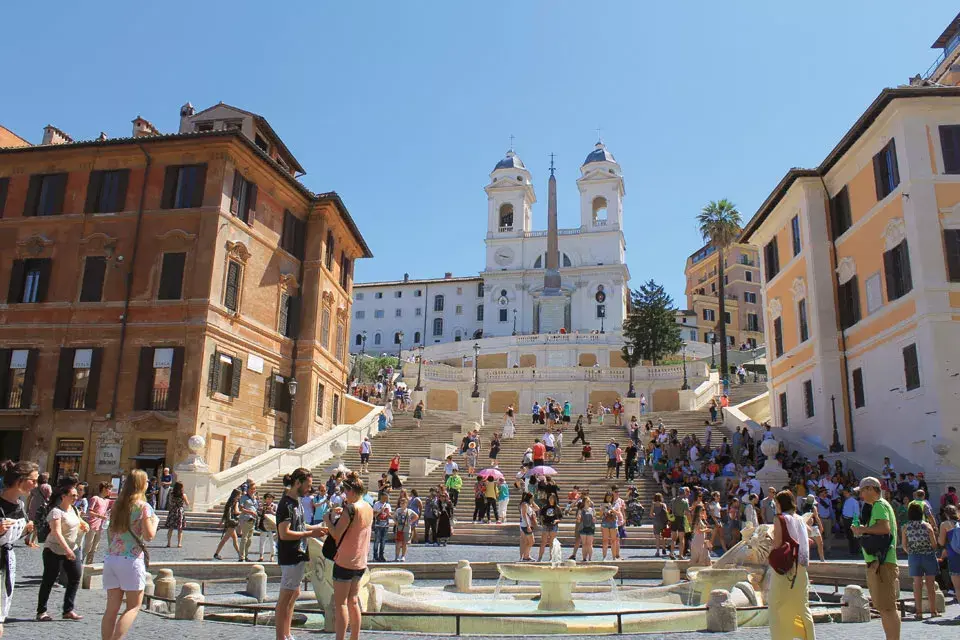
(330, 545)
(784, 558)
(143, 548)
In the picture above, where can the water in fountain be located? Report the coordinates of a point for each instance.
(496, 590)
(614, 592)
(556, 553)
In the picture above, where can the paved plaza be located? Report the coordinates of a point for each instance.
(199, 546)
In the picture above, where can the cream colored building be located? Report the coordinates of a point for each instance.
(742, 288)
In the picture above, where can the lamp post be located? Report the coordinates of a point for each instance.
(514, 322)
(683, 354)
(713, 341)
(476, 371)
(363, 350)
(399, 353)
(292, 390)
(836, 447)
(753, 363)
(631, 392)
(419, 366)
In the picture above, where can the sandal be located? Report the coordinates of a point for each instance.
(44, 617)
(72, 615)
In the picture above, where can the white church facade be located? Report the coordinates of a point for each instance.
(505, 298)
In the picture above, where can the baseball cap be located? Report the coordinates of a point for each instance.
(869, 481)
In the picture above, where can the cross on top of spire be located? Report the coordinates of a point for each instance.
(599, 139)
(552, 168)
(511, 142)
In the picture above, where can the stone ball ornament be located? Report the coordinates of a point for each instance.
(196, 444)
(338, 448)
(769, 447)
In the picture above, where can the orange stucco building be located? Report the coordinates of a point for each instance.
(165, 285)
(742, 289)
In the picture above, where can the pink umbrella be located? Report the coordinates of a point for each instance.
(486, 473)
(542, 470)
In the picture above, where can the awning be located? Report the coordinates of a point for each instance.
(144, 458)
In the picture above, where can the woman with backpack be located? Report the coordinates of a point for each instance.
(19, 479)
(950, 541)
(60, 549)
(789, 584)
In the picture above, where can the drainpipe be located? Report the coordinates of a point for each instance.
(844, 366)
(291, 443)
(129, 284)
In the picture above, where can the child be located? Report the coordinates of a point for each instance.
(266, 527)
(585, 453)
(404, 520)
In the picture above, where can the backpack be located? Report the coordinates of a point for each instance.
(953, 544)
(784, 558)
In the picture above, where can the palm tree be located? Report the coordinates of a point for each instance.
(719, 223)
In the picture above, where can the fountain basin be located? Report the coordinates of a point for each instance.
(557, 581)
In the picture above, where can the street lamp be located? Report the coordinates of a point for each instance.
(399, 352)
(476, 371)
(292, 390)
(713, 341)
(683, 354)
(363, 350)
(631, 392)
(753, 363)
(836, 447)
(419, 366)
(514, 322)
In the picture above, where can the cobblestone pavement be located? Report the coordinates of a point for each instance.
(200, 546)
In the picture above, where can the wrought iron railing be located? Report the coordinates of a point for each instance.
(159, 399)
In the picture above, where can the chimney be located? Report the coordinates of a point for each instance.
(447, 275)
(102, 136)
(186, 112)
(406, 277)
(143, 128)
(52, 135)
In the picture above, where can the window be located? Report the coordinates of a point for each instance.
(328, 257)
(336, 408)
(358, 296)
(506, 217)
(378, 313)
(438, 303)
(849, 297)
(45, 195)
(713, 287)
(278, 393)
(778, 336)
(808, 398)
(243, 199)
(416, 337)
(601, 311)
(874, 289)
(158, 379)
(951, 247)
(359, 315)
(749, 296)
(231, 292)
(294, 235)
(261, 143)
(289, 323)
(29, 280)
(397, 339)
(378, 295)
(457, 335)
(320, 393)
(459, 291)
(732, 341)
(377, 338)
(709, 315)
(858, 398)
(726, 279)
(341, 340)
(107, 191)
(438, 326)
(911, 367)
(346, 265)
(771, 259)
(417, 293)
(840, 216)
(783, 410)
(753, 322)
(479, 284)
(78, 377)
(802, 320)
(896, 264)
(886, 175)
(693, 335)
(503, 315)
(18, 371)
(458, 310)
(94, 271)
(398, 313)
(325, 329)
(224, 375)
(748, 275)
(795, 234)
(358, 341)
(183, 186)
(726, 317)
(4, 187)
(398, 294)
(479, 313)
(171, 276)
(950, 145)
(418, 312)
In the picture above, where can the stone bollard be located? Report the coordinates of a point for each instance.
(938, 596)
(854, 606)
(165, 586)
(721, 612)
(190, 603)
(257, 583)
(463, 577)
(148, 586)
(671, 573)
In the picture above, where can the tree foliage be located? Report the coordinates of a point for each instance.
(651, 325)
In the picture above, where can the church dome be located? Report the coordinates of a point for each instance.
(599, 154)
(511, 161)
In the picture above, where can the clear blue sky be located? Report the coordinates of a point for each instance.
(404, 107)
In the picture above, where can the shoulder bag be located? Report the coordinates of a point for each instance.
(330, 545)
(783, 559)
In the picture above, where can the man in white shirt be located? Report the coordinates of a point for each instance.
(449, 467)
(850, 510)
(694, 454)
(550, 443)
(753, 485)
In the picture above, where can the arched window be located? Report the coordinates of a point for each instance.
(396, 338)
(438, 303)
(538, 263)
(376, 338)
(478, 334)
(438, 326)
(599, 209)
(457, 335)
(416, 337)
(506, 217)
(359, 340)
(566, 261)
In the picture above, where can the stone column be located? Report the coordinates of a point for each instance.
(474, 409)
(721, 612)
(165, 586)
(190, 603)
(463, 577)
(671, 572)
(257, 583)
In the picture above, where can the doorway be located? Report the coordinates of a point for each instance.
(10, 444)
(218, 453)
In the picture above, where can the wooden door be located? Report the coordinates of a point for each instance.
(218, 453)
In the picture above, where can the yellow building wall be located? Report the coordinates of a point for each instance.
(354, 409)
(859, 335)
(783, 289)
(955, 299)
(442, 400)
(948, 194)
(606, 397)
(862, 190)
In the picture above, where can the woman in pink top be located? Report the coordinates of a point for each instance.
(352, 534)
(97, 517)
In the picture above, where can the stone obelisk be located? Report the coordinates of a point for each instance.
(553, 302)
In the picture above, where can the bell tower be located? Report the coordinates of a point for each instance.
(510, 198)
(601, 191)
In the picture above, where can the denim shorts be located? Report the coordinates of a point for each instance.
(609, 525)
(342, 574)
(551, 528)
(923, 564)
(953, 564)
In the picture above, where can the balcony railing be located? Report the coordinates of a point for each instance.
(15, 400)
(158, 399)
(747, 262)
(505, 229)
(598, 222)
(78, 398)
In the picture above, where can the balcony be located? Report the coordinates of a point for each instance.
(158, 399)
(747, 262)
(505, 229)
(78, 398)
(15, 399)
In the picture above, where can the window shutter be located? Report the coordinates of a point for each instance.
(231, 294)
(300, 237)
(94, 270)
(123, 181)
(293, 317)
(235, 383)
(94, 184)
(15, 292)
(283, 325)
(894, 167)
(44, 284)
(4, 188)
(948, 144)
(170, 175)
(171, 276)
(176, 380)
(906, 277)
(889, 272)
(287, 232)
(214, 376)
(5, 355)
(59, 192)
(250, 205)
(61, 392)
(29, 378)
(272, 391)
(93, 384)
(282, 395)
(33, 194)
(201, 178)
(235, 193)
(878, 175)
(141, 399)
(951, 241)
